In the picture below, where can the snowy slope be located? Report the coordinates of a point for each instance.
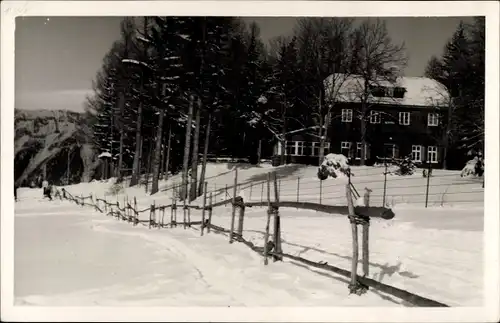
(70, 255)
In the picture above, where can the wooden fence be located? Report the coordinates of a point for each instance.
(271, 248)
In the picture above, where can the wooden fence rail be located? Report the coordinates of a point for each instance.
(270, 247)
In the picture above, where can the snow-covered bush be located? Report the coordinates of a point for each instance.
(334, 165)
(474, 167)
(405, 167)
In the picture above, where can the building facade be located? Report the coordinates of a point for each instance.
(403, 117)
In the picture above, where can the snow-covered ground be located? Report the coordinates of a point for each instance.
(71, 255)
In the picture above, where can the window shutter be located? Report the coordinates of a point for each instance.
(424, 154)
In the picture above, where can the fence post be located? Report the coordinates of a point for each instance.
(269, 212)
(241, 216)
(225, 197)
(81, 196)
(117, 210)
(277, 224)
(385, 183)
(365, 247)
(210, 214)
(234, 206)
(251, 187)
(427, 189)
(185, 196)
(136, 214)
(262, 192)
(203, 210)
(320, 191)
(151, 210)
(189, 213)
(298, 188)
(172, 212)
(354, 229)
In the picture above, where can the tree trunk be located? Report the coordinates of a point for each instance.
(168, 151)
(136, 167)
(157, 153)
(187, 143)
(194, 165)
(259, 152)
(363, 138)
(162, 158)
(121, 107)
(205, 153)
(283, 141)
(446, 137)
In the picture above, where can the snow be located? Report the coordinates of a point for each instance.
(470, 168)
(105, 154)
(335, 165)
(420, 91)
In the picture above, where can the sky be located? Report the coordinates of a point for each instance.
(56, 58)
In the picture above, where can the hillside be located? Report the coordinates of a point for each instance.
(48, 139)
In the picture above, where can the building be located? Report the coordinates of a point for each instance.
(404, 117)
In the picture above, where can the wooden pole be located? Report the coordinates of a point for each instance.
(172, 212)
(225, 197)
(251, 187)
(136, 214)
(320, 191)
(185, 208)
(298, 188)
(262, 192)
(241, 218)
(210, 214)
(354, 229)
(189, 214)
(365, 246)
(268, 219)
(203, 210)
(277, 226)
(234, 206)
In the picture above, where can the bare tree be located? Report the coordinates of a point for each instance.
(194, 163)
(377, 62)
(324, 48)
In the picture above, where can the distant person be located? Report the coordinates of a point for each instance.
(47, 189)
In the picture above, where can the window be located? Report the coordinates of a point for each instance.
(432, 119)
(432, 154)
(346, 115)
(390, 92)
(377, 91)
(295, 148)
(375, 117)
(404, 118)
(416, 153)
(399, 92)
(315, 148)
(359, 146)
(345, 149)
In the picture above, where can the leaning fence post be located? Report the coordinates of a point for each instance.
(203, 210)
(428, 180)
(354, 229)
(268, 219)
(210, 214)
(234, 205)
(81, 196)
(251, 187)
(118, 210)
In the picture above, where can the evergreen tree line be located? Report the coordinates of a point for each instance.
(175, 88)
(461, 69)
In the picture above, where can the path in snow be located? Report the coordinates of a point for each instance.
(68, 255)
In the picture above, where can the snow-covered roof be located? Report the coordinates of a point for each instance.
(105, 154)
(420, 91)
